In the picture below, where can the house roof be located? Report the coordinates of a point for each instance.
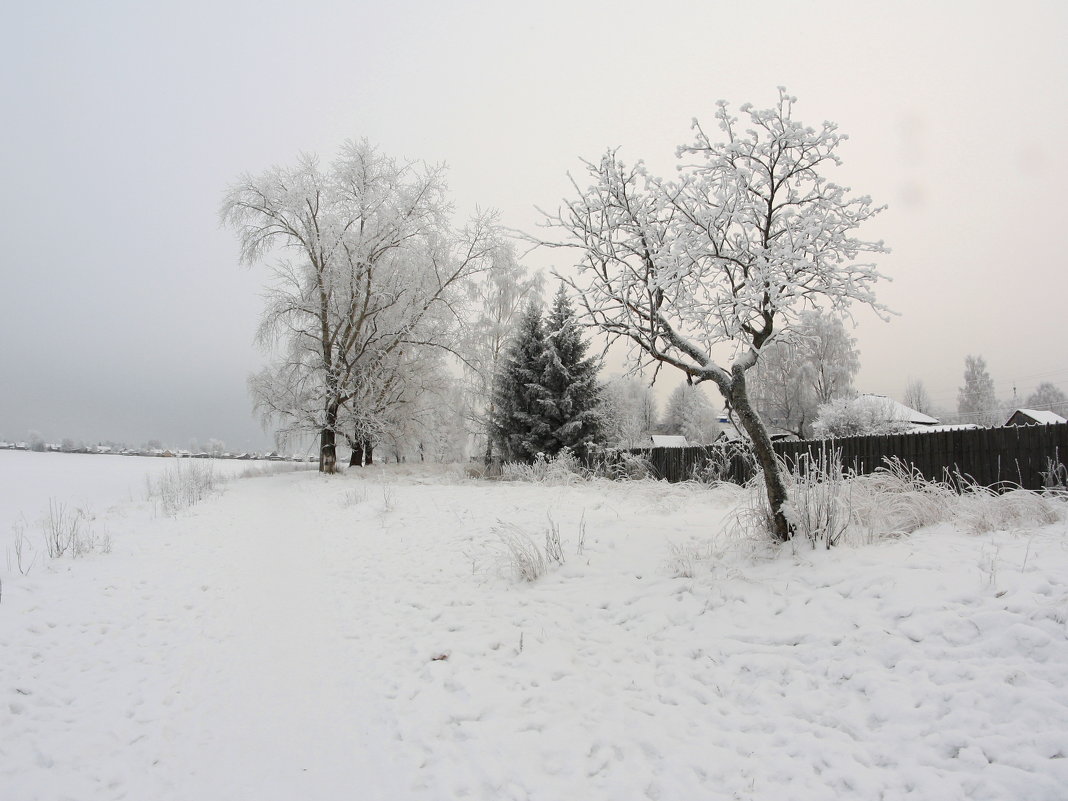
(1040, 416)
(898, 411)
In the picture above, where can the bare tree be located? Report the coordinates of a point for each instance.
(976, 401)
(809, 366)
(917, 397)
(496, 300)
(376, 270)
(629, 411)
(690, 413)
(1048, 397)
(749, 236)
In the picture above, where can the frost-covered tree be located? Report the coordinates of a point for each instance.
(917, 397)
(861, 416)
(429, 427)
(546, 395)
(629, 412)
(496, 301)
(690, 413)
(749, 236)
(366, 265)
(811, 366)
(572, 400)
(519, 428)
(388, 403)
(1048, 397)
(976, 401)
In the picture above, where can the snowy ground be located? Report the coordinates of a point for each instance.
(359, 636)
(91, 483)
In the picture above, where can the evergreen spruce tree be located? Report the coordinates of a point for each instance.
(518, 426)
(572, 397)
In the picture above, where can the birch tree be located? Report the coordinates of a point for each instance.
(690, 413)
(747, 237)
(809, 366)
(365, 267)
(497, 300)
(976, 401)
(1048, 397)
(629, 410)
(917, 397)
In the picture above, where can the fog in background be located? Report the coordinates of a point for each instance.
(125, 316)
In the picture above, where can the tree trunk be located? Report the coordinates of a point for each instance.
(489, 434)
(362, 452)
(327, 451)
(765, 455)
(356, 458)
(328, 442)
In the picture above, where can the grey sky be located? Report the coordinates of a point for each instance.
(125, 315)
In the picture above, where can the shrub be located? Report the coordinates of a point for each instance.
(826, 505)
(181, 487)
(564, 468)
(723, 457)
(523, 557)
(617, 464)
(818, 502)
(66, 530)
(60, 529)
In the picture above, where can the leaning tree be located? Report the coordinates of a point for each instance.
(749, 236)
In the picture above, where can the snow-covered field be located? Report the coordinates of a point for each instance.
(361, 636)
(92, 483)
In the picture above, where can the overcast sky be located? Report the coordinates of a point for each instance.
(125, 315)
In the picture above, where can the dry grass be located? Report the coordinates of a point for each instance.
(522, 557)
(828, 506)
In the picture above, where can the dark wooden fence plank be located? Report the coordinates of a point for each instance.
(1014, 455)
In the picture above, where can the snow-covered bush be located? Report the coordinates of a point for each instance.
(719, 465)
(857, 417)
(818, 506)
(60, 528)
(981, 509)
(563, 468)
(618, 465)
(1055, 477)
(70, 530)
(21, 545)
(183, 486)
(830, 507)
(522, 557)
(897, 499)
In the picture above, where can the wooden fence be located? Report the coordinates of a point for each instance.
(992, 457)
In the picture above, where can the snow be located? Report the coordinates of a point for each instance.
(892, 410)
(360, 636)
(938, 429)
(668, 441)
(91, 482)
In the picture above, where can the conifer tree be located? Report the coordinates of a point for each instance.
(572, 393)
(518, 425)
